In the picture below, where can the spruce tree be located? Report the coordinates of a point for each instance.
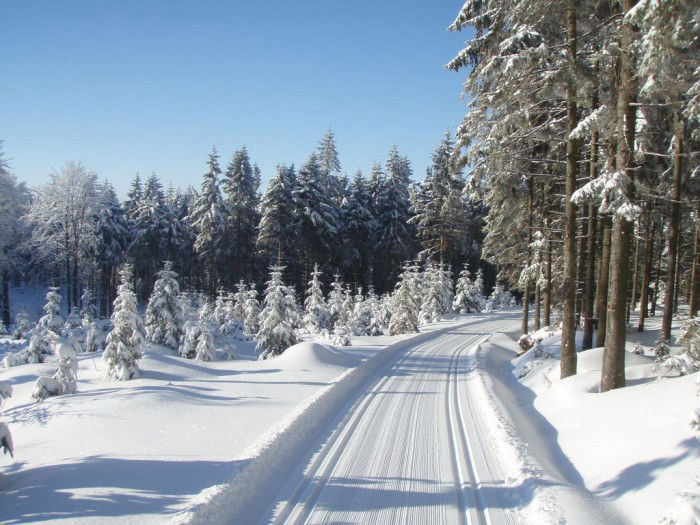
(124, 345)
(404, 310)
(316, 316)
(276, 332)
(163, 313)
(208, 219)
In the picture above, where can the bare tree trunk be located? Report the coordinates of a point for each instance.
(538, 306)
(568, 332)
(547, 306)
(678, 269)
(693, 301)
(581, 268)
(673, 229)
(635, 277)
(646, 271)
(526, 291)
(613, 371)
(588, 290)
(5, 295)
(603, 282)
(657, 281)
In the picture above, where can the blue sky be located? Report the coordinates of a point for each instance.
(125, 86)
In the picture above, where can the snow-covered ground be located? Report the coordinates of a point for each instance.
(438, 421)
(138, 451)
(632, 447)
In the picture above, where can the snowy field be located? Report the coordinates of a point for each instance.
(120, 452)
(167, 446)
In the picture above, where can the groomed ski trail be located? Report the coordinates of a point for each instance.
(412, 449)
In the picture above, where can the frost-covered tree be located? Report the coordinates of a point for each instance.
(275, 240)
(431, 295)
(316, 216)
(356, 231)
(393, 234)
(251, 312)
(205, 349)
(468, 295)
(335, 300)
(111, 242)
(14, 201)
(22, 325)
(62, 219)
(5, 436)
(188, 345)
(276, 332)
(404, 310)
(125, 342)
(361, 320)
(64, 381)
(329, 165)
(163, 312)
(208, 219)
(316, 314)
(242, 219)
(47, 331)
(500, 299)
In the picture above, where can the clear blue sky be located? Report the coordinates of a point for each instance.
(139, 85)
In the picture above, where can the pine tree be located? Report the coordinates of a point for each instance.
(240, 192)
(316, 216)
(430, 308)
(316, 318)
(205, 349)
(5, 436)
(251, 312)
(329, 165)
(276, 331)
(357, 226)
(335, 301)
(125, 342)
(362, 314)
(208, 219)
(275, 232)
(239, 300)
(394, 236)
(404, 316)
(469, 295)
(163, 313)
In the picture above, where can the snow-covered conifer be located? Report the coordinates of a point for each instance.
(335, 300)
(5, 436)
(251, 312)
(45, 333)
(239, 299)
(3, 328)
(276, 331)
(500, 299)
(188, 345)
(89, 310)
(468, 298)
(361, 315)
(22, 325)
(125, 342)
(404, 314)
(164, 312)
(205, 349)
(316, 315)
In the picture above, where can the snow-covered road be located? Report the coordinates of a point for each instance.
(412, 449)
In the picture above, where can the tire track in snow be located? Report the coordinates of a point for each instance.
(470, 503)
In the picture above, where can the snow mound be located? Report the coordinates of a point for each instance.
(311, 355)
(592, 360)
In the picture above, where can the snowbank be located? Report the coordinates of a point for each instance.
(632, 446)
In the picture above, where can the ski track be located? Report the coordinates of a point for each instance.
(412, 448)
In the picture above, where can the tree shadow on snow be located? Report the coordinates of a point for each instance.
(641, 474)
(99, 486)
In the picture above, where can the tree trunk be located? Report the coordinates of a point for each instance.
(646, 272)
(603, 282)
(679, 243)
(526, 291)
(657, 281)
(693, 300)
(673, 229)
(581, 268)
(613, 371)
(547, 306)
(635, 276)
(5, 296)
(538, 306)
(588, 289)
(568, 332)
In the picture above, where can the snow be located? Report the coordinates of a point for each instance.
(202, 442)
(142, 450)
(633, 447)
